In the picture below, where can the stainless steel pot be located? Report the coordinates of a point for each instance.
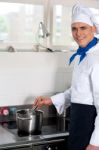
(29, 121)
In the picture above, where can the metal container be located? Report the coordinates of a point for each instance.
(29, 121)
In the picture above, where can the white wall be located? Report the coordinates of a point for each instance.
(24, 75)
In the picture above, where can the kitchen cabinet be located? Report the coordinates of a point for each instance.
(55, 144)
(19, 148)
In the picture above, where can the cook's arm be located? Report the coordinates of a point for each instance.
(95, 87)
(61, 100)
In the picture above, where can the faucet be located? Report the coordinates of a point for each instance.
(10, 49)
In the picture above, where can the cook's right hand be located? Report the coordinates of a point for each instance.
(41, 101)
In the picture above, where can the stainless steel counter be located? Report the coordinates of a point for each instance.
(9, 137)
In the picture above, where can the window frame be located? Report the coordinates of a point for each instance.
(48, 19)
(27, 46)
(88, 3)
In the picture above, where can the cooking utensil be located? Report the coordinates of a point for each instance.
(29, 121)
(33, 109)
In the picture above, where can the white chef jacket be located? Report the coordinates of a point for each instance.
(84, 87)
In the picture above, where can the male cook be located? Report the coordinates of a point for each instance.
(84, 91)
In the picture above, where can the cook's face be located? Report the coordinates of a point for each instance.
(82, 33)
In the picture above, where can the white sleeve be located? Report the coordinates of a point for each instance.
(61, 100)
(95, 86)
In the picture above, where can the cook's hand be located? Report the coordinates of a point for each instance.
(41, 101)
(92, 147)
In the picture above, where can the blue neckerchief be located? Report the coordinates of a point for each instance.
(82, 50)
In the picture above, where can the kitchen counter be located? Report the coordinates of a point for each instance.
(9, 137)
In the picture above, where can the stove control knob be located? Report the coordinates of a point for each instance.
(5, 112)
(49, 148)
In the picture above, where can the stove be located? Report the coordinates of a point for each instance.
(8, 119)
(53, 134)
(50, 125)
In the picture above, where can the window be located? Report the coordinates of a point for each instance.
(96, 14)
(20, 19)
(61, 25)
(61, 30)
(19, 23)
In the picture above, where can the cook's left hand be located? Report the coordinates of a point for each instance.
(92, 147)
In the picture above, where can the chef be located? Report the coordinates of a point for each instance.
(84, 91)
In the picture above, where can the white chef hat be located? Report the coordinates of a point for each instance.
(83, 14)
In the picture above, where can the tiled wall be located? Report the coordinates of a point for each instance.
(24, 75)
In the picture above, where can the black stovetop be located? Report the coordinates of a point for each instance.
(50, 125)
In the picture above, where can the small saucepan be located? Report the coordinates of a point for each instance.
(28, 121)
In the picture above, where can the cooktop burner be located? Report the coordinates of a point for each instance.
(22, 133)
(46, 130)
(55, 126)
